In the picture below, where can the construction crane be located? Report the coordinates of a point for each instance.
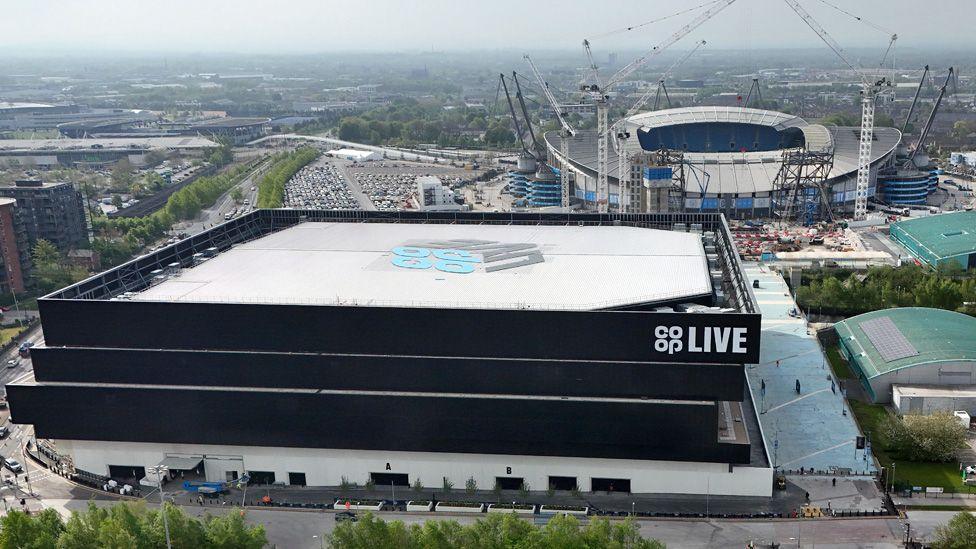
(755, 86)
(869, 91)
(515, 120)
(621, 135)
(918, 91)
(599, 94)
(565, 132)
(928, 123)
(537, 148)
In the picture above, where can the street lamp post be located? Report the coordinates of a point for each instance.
(159, 471)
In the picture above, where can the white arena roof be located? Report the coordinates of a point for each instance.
(410, 265)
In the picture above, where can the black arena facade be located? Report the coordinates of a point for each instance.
(307, 346)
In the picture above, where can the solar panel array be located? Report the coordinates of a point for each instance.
(888, 339)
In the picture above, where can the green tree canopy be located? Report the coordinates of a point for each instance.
(959, 533)
(496, 530)
(127, 526)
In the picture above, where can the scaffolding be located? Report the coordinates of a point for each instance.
(800, 190)
(641, 196)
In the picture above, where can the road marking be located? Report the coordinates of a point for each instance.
(841, 445)
(787, 403)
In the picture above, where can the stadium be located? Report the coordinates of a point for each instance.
(731, 156)
(312, 347)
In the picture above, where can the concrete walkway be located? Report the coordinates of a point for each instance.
(812, 428)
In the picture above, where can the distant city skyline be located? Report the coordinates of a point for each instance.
(314, 26)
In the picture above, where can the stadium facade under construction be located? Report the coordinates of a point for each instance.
(568, 351)
(730, 159)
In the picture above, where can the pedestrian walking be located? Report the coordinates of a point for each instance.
(834, 481)
(777, 363)
(798, 386)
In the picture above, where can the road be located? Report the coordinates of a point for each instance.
(354, 187)
(214, 215)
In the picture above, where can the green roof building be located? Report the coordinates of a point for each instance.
(909, 346)
(938, 239)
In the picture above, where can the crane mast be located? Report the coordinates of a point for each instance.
(599, 95)
(515, 121)
(565, 132)
(869, 92)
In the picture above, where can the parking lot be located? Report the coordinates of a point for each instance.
(320, 186)
(390, 185)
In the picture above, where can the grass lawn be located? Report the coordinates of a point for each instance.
(838, 364)
(923, 474)
(6, 334)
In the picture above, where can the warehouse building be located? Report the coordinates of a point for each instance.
(911, 346)
(935, 240)
(555, 350)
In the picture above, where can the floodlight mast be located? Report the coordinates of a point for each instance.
(600, 94)
(869, 92)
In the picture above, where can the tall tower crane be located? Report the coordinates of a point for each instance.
(869, 92)
(918, 91)
(565, 132)
(599, 94)
(621, 135)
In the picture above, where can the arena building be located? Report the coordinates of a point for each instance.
(732, 156)
(942, 239)
(309, 347)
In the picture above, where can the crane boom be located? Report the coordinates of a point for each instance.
(549, 97)
(824, 35)
(911, 109)
(515, 121)
(702, 17)
(564, 135)
(539, 151)
(928, 123)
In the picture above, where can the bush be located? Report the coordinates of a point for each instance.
(471, 485)
(958, 533)
(448, 486)
(524, 490)
(418, 485)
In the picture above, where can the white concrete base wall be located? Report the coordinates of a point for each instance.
(326, 467)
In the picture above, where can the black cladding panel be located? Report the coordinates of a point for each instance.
(568, 335)
(391, 373)
(545, 427)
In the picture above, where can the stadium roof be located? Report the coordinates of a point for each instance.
(741, 173)
(942, 236)
(110, 143)
(230, 122)
(581, 268)
(892, 339)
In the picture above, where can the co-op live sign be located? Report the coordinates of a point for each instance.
(696, 337)
(464, 256)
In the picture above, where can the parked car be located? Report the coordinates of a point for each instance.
(4, 431)
(13, 363)
(13, 465)
(346, 516)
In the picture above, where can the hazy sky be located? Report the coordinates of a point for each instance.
(284, 26)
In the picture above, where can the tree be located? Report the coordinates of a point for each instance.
(959, 533)
(124, 526)
(935, 437)
(237, 195)
(495, 530)
(122, 175)
(841, 119)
